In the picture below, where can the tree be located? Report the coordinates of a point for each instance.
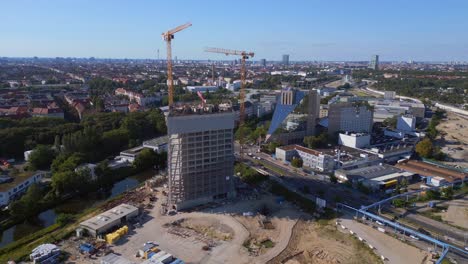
(320, 141)
(248, 175)
(446, 193)
(243, 132)
(146, 159)
(399, 202)
(424, 148)
(28, 205)
(297, 162)
(63, 219)
(41, 157)
(390, 122)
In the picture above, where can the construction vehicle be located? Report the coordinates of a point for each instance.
(168, 37)
(244, 56)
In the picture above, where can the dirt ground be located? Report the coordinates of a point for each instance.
(457, 213)
(455, 128)
(323, 244)
(224, 229)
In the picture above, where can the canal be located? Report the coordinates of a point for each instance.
(72, 206)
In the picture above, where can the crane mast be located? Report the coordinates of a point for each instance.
(244, 56)
(168, 37)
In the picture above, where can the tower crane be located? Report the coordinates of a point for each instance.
(168, 37)
(244, 56)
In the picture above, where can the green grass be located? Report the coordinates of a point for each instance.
(268, 243)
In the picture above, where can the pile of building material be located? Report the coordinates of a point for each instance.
(45, 253)
(111, 238)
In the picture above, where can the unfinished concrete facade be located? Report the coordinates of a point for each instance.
(200, 157)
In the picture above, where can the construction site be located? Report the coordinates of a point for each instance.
(260, 228)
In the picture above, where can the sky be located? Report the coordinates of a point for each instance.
(307, 30)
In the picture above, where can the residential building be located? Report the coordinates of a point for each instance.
(140, 98)
(234, 86)
(313, 159)
(13, 186)
(47, 112)
(323, 111)
(201, 155)
(349, 117)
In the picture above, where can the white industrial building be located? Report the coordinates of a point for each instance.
(354, 140)
(158, 144)
(376, 177)
(110, 219)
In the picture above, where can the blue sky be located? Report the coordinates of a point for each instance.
(306, 29)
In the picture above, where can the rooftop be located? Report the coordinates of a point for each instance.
(11, 180)
(372, 172)
(109, 216)
(157, 141)
(426, 169)
(194, 109)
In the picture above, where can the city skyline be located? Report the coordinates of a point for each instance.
(307, 31)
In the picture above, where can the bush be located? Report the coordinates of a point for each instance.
(63, 219)
(248, 174)
(297, 162)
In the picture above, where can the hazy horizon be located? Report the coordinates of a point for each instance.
(306, 30)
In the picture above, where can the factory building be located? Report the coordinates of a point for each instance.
(354, 140)
(105, 222)
(376, 177)
(201, 155)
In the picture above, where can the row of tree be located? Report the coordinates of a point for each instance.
(96, 136)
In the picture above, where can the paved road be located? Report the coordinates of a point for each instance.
(435, 226)
(317, 184)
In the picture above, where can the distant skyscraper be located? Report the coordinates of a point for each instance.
(286, 59)
(263, 62)
(374, 63)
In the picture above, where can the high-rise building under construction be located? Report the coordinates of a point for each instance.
(200, 154)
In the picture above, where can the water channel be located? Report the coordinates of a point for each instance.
(72, 206)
